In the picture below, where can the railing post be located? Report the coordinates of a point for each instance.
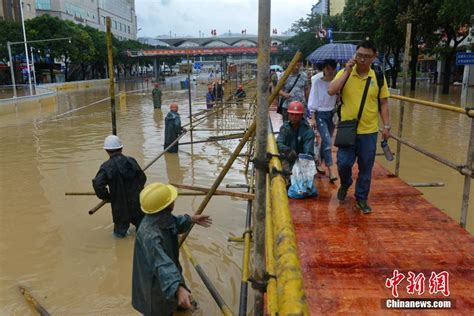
(406, 57)
(467, 178)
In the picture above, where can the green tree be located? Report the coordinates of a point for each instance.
(9, 32)
(453, 19)
(306, 29)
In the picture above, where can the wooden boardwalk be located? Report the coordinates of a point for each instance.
(347, 256)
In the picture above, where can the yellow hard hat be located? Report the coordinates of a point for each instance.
(155, 197)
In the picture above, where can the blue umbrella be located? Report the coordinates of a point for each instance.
(337, 51)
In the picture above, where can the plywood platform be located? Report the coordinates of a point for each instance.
(346, 256)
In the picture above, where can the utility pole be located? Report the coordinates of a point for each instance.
(261, 136)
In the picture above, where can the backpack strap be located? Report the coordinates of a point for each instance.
(380, 81)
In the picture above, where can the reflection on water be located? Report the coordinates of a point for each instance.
(71, 262)
(68, 259)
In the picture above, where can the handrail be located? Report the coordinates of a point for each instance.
(290, 290)
(468, 111)
(466, 170)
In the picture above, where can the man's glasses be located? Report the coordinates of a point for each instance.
(364, 56)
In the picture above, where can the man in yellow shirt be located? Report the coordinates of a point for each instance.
(352, 80)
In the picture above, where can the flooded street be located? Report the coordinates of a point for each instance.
(70, 260)
(442, 132)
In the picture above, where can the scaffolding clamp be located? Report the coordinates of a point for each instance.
(282, 172)
(260, 164)
(262, 284)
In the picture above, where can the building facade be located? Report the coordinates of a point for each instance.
(321, 7)
(329, 7)
(10, 10)
(85, 12)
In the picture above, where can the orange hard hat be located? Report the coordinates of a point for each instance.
(296, 107)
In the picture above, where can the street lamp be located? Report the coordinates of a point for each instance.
(26, 46)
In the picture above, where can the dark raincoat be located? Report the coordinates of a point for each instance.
(157, 273)
(172, 130)
(301, 140)
(156, 98)
(125, 179)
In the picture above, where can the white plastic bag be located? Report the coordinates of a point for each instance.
(302, 184)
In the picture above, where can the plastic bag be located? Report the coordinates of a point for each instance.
(302, 184)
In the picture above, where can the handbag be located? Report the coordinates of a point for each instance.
(347, 130)
(281, 101)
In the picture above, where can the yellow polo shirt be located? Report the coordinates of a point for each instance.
(352, 96)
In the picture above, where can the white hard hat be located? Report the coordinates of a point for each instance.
(112, 142)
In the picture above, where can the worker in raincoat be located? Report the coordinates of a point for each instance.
(156, 93)
(120, 180)
(158, 285)
(172, 128)
(240, 95)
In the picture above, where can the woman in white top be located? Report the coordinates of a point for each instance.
(322, 107)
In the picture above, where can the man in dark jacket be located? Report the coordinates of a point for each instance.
(172, 128)
(295, 137)
(124, 179)
(158, 285)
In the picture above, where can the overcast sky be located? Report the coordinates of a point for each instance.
(188, 17)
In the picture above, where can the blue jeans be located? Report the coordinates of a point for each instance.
(326, 128)
(364, 150)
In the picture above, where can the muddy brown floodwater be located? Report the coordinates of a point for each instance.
(70, 260)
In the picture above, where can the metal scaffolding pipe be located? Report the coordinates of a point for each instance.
(207, 282)
(272, 300)
(263, 67)
(290, 290)
(467, 178)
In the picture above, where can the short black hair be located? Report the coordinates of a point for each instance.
(330, 62)
(367, 44)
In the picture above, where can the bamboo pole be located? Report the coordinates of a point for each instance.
(111, 74)
(406, 57)
(33, 302)
(243, 195)
(207, 282)
(263, 67)
(200, 120)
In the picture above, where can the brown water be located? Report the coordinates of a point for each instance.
(68, 259)
(71, 262)
(443, 133)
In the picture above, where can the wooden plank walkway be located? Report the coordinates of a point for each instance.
(346, 256)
